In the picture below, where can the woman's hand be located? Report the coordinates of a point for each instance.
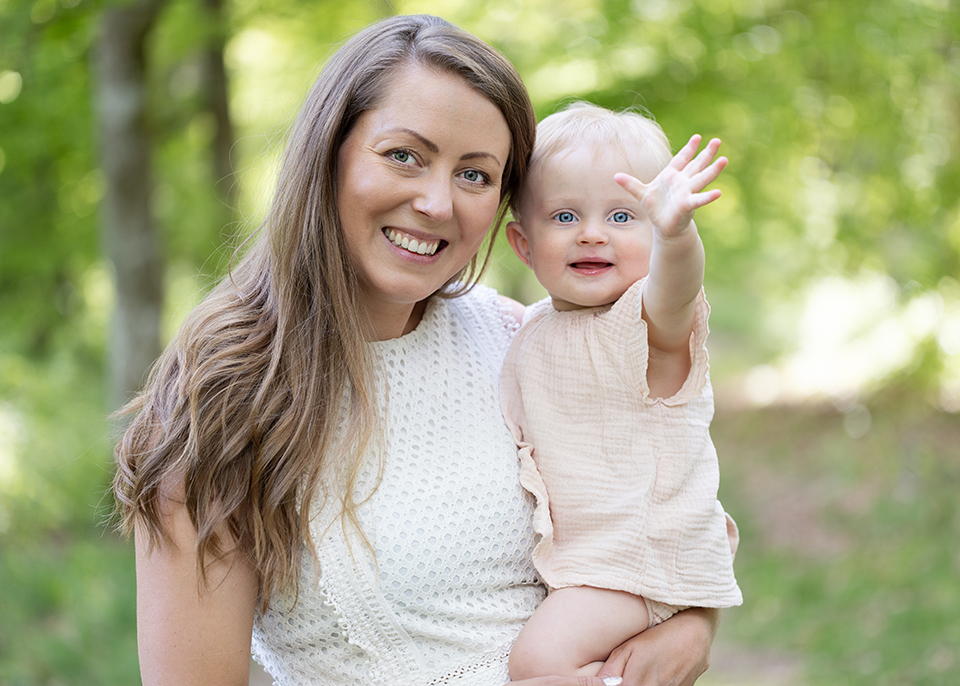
(569, 681)
(674, 653)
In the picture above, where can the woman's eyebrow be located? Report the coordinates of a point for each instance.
(433, 147)
(474, 155)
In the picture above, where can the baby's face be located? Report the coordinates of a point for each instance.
(586, 238)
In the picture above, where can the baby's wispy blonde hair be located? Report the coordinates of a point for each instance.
(583, 123)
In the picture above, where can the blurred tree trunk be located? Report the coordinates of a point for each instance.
(129, 234)
(214, 79)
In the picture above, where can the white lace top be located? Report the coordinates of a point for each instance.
(453, 582)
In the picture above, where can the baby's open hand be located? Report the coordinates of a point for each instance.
(670, 199)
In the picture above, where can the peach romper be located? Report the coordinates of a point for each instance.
(625, 484)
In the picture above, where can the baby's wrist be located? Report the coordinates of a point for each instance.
(679, 232)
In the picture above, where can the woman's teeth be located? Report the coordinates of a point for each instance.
(411, 244)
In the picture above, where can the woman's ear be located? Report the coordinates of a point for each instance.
(519, 242)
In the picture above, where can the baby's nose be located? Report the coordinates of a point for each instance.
(592, 232)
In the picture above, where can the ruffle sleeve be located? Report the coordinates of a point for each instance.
(626, 329)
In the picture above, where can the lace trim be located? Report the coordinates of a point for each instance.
(360, 611)
(492, 667)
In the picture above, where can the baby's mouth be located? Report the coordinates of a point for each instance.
(411, 244)
(590, 266)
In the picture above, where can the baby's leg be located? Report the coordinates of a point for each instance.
(573, 628)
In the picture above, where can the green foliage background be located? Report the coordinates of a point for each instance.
(840, 121)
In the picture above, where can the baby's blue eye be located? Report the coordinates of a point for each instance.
(620, 217)
(565, 217)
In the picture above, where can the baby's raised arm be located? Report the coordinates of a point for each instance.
(676, 258)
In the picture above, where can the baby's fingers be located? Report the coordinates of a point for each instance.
(686, 153)
(704, 159)
(705, 177)
(633, 186)
(698, 200)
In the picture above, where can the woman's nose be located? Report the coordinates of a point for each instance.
(434, 198)
(591, 233)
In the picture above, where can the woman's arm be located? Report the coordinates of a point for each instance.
(673, 653)
(188, 636)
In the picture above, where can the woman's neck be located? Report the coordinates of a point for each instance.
(386, 323)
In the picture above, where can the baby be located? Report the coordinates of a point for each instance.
(606, 388)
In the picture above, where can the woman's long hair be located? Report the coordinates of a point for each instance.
(263, 400)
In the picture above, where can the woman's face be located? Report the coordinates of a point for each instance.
(418, 188)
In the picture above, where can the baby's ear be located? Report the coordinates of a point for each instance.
(519, 242)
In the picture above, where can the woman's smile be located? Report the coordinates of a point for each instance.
(412, 244)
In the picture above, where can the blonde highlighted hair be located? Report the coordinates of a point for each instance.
(636, 136)
(241, 418)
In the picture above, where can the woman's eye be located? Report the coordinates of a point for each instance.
(475, 176)
(402, 156)
(565, 217)
(620, 217)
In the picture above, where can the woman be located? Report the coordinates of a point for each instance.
(318, 461)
